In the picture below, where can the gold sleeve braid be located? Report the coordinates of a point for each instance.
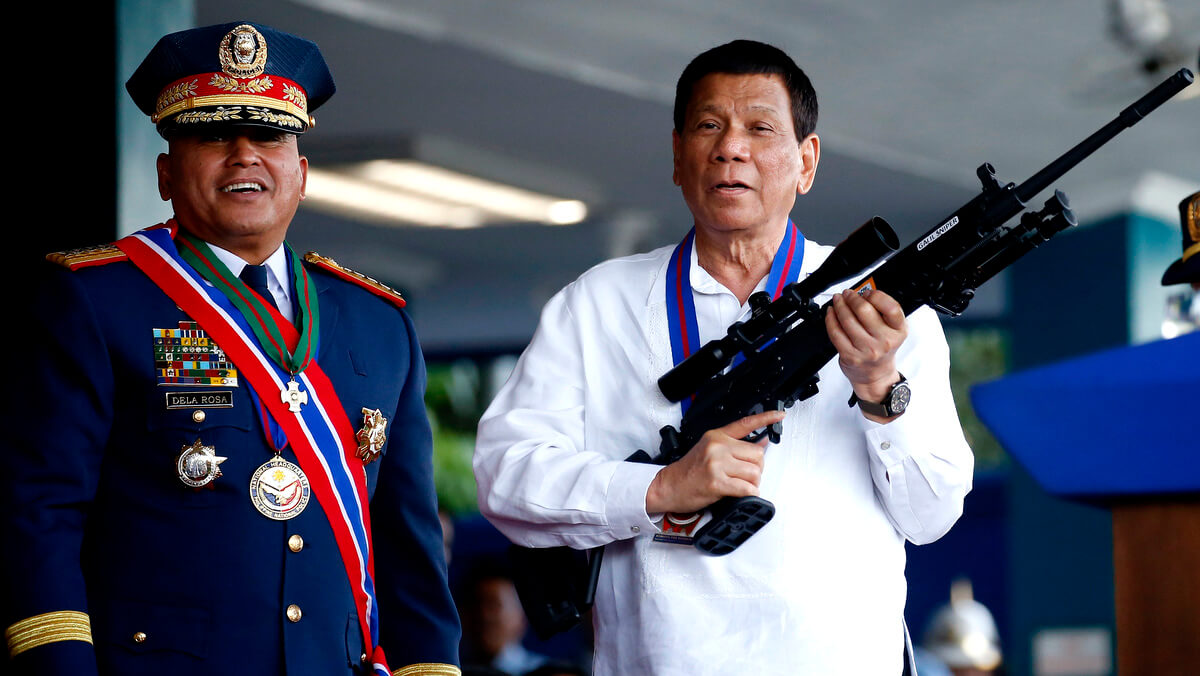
(428, 669)
(62, 625)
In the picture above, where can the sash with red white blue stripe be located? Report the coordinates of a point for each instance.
(319, 434)
(681, 306)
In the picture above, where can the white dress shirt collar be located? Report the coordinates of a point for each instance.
(704, 283)
(277, 272)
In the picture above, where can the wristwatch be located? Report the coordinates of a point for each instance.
(892, 405)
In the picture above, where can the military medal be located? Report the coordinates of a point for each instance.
(372, 435)
(279, 489)
(260, 314)
(198, 465)
(676, 529)
(681, 523)
(293, 397)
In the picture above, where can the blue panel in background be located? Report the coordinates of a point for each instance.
(1112, 424)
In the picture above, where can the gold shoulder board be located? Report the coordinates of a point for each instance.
(374, 286)
(87, 256)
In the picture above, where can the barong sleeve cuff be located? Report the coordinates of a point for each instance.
(625, 508)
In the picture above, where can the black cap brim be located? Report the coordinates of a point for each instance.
(201, 120)
(1182, 272)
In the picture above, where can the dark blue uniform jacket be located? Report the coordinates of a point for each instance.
(178, 580)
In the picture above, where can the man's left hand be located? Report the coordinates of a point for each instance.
(867, 329)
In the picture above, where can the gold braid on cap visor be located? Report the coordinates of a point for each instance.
(187, 93)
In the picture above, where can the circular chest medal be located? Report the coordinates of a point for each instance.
(198, 465)
(279, 489)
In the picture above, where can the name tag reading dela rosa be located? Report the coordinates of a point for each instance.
(216, 399)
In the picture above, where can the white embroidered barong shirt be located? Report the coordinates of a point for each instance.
(820, 590)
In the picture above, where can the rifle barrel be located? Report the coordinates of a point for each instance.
(1128, 117)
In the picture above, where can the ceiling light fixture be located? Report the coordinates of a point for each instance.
(393, 191)
(336, 193)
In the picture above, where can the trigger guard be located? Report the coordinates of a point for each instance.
(773, 432)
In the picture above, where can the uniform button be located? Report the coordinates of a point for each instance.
(363, 659)
(199, 416)
(885, 445)
(139, 637)
(293, 613)
(295, 543)
(636, 529)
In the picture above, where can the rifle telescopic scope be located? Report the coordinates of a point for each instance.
(861, 249)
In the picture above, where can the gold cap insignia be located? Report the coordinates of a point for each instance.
(243, 52)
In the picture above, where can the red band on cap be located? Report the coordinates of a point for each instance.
(219, 89)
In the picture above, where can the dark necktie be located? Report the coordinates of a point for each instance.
(255, 277)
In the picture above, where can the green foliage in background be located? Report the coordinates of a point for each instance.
(977, 355)
(454, 399)
(452, 475)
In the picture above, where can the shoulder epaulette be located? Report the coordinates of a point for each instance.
(374, 286)
(87, 256)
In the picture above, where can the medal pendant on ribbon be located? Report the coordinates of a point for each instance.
(293, 397)
(279, 489)
(677, 529)
(198, 465)
(372, 436)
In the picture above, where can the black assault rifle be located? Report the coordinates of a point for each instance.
(785, 344)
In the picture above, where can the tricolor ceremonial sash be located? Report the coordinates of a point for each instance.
(319, 434)
(681, 305)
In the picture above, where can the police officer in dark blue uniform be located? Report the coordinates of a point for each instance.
(220, 461)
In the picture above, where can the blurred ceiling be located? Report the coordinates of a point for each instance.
(574, 98)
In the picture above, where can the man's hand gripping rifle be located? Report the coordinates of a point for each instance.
(784, 347)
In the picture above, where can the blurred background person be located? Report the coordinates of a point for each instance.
(962, 636)
(493, 622)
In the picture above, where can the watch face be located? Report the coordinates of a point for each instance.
(901, 394)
